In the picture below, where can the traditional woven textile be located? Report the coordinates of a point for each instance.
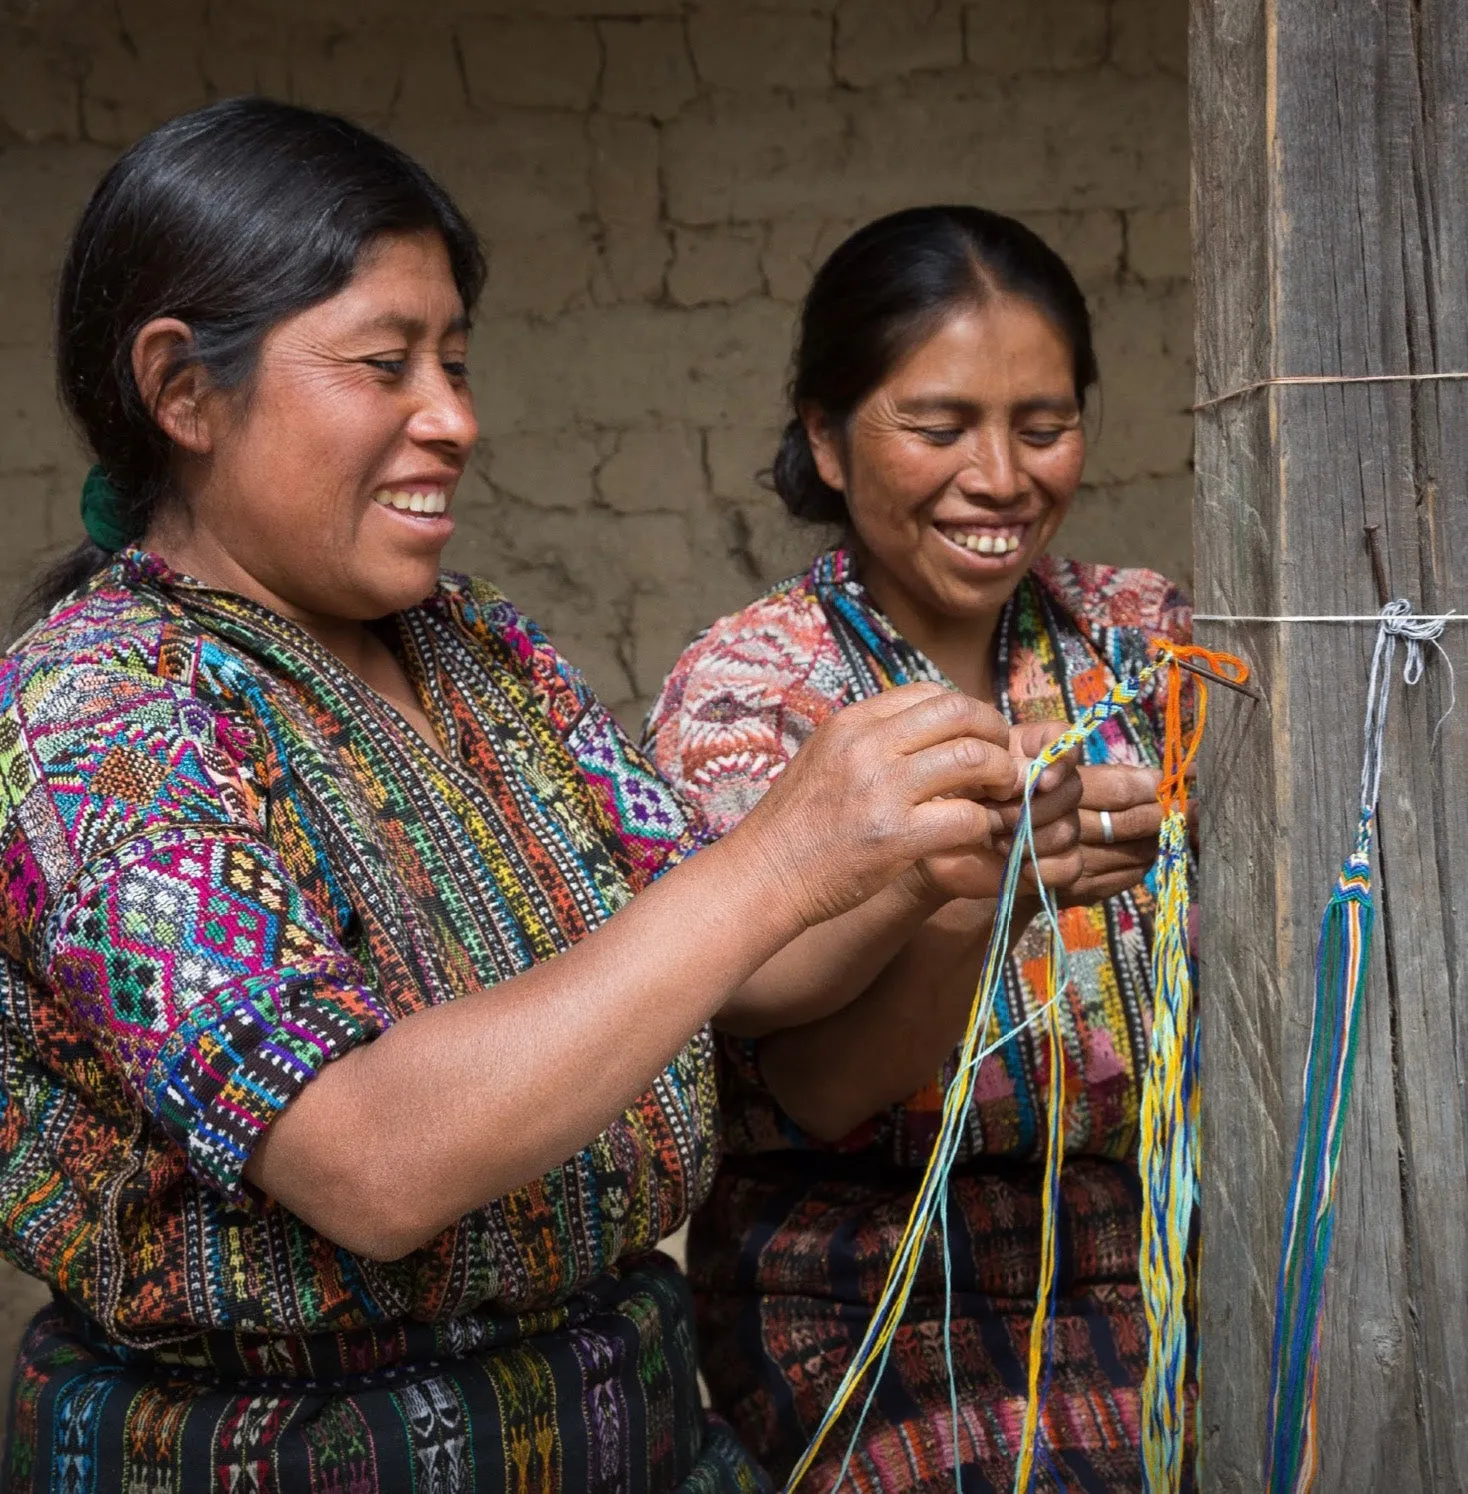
(225, 861)
(783, 1300)
(605, 1399)
(773, 1359)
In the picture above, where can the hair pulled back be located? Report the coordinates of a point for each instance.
(231, 218)
(889, 287)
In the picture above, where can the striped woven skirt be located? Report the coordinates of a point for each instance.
(791, 1252)
(606, 1399)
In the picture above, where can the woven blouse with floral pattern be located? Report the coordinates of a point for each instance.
(747, 694)
(792, 1248)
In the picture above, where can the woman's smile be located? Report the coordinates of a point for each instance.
(422, 506)
(429, 502)
(989, 545)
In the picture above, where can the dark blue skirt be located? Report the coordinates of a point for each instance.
(602, 1395)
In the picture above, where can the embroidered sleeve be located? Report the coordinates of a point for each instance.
(741, 702)
(139, 888)
(1173, 617)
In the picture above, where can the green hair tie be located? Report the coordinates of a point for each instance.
(102, 513)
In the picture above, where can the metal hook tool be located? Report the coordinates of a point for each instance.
(1214, 678)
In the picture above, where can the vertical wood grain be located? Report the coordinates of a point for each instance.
(1330, 189)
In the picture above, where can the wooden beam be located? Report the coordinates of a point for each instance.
(1330, 144)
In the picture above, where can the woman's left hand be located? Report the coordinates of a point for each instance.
(978, 873)
(1114, 863)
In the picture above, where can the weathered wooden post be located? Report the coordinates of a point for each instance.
(1330, 143)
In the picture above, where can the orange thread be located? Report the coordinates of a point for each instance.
(1177, 755)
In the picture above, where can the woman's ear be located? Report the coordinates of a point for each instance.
(176, 402)
(825, 446)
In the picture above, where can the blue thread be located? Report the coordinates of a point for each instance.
(933, 1193)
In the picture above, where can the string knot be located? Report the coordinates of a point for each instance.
(1398, 619)
(1178, 754)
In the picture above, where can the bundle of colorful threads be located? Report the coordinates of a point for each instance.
(1169, 1112)
(1342, 961)
(1169, 1122)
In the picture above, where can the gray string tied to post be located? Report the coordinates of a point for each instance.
(1398, 621)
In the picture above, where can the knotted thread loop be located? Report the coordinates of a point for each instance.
(1397, 621)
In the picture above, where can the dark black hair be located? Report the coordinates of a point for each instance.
(231, 218)
(887, 288)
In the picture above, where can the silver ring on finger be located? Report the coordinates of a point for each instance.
(1108, 830)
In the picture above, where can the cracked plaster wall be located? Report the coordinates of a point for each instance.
(655, 180)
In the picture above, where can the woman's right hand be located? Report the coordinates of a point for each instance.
(880, 787)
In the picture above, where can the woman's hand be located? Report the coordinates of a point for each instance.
(888, 783)
(1128, 796)
(978, 873)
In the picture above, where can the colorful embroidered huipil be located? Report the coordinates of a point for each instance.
(795, 1242)
(224, 862)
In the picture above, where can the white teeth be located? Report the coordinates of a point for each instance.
(987, 543)
(412, 503)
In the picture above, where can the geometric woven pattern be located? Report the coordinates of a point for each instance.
(224, 862)
(457, 1407)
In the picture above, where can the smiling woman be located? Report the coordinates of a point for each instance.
(357, 969)
(365, 397)
(940, 382)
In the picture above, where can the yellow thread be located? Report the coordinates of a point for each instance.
(888, 1313)
(1040, 1322)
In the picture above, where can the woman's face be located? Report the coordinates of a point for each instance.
(960, 466)
(330, 487)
